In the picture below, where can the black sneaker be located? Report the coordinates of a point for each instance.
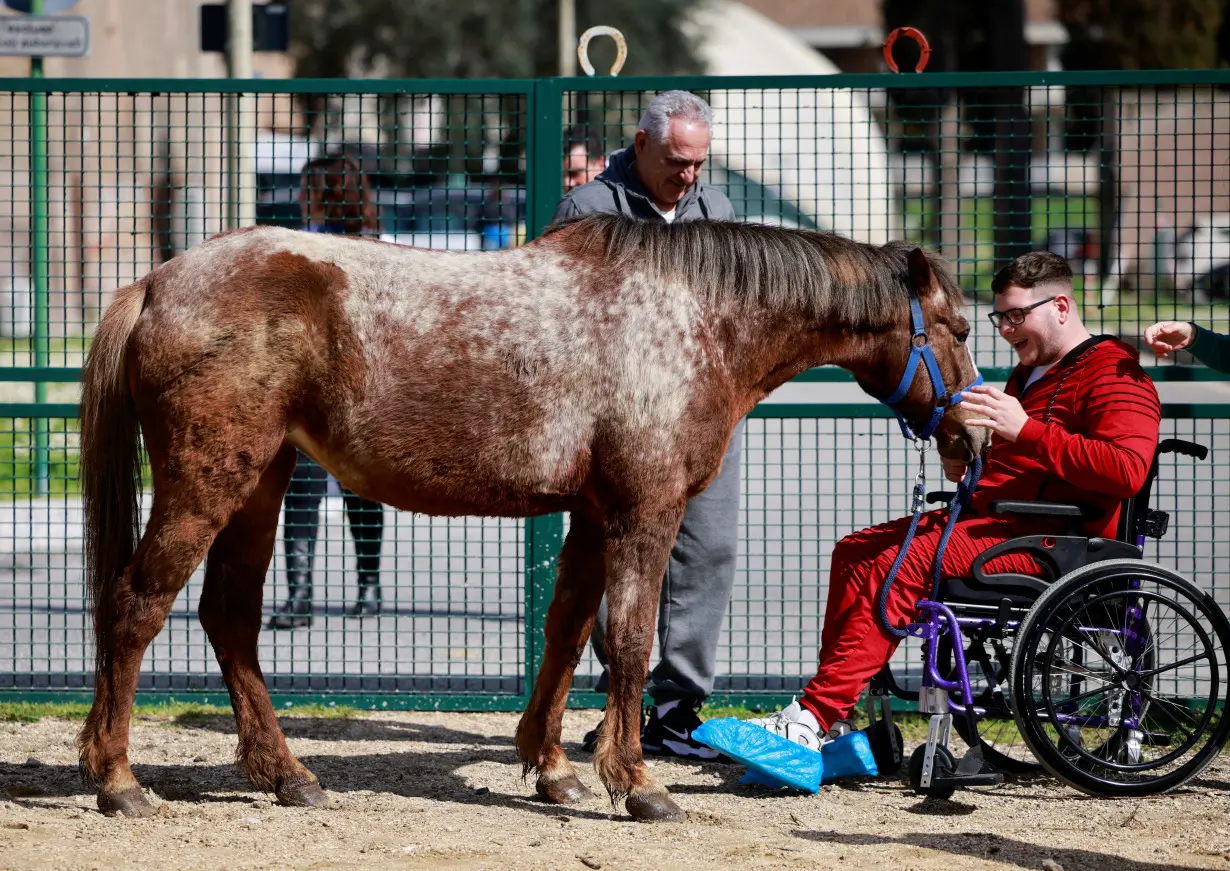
(668, 732)
(589, 743)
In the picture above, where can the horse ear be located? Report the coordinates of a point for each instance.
(922, 277)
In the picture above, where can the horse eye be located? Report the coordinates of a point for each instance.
(962, 335)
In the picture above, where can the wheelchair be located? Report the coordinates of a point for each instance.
(1108, 671)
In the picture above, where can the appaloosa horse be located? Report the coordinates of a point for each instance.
(598, 370)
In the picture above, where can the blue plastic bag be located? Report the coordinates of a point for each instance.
(776, 762)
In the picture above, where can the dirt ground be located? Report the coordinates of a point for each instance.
(435, 790)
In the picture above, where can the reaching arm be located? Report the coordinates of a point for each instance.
(1212, 349)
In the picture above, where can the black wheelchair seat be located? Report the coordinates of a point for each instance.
(1056, 555)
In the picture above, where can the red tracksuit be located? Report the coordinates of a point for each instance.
(1091, 437)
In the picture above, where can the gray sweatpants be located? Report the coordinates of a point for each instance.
(696, 589)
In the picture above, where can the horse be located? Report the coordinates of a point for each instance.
(598, 370)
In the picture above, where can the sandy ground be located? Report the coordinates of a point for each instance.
(431, 790)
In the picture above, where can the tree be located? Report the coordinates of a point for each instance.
(474, 39)
(478, 38)
(1142, 34)
(1128, 35)
(970, 36)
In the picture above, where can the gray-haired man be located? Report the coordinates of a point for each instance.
(658, 178)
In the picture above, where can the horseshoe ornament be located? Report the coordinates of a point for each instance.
(621, 48)
(914, 34)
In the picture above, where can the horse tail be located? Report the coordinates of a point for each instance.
(110, 471)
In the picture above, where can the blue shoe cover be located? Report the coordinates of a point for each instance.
(771, 756)
(777, 762)
(849, 756)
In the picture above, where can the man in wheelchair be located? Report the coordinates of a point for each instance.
(1076, 423)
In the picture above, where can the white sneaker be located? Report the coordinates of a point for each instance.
(794, 723)
(840, 729)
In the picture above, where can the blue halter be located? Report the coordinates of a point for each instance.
(943, 401)
(921, 349)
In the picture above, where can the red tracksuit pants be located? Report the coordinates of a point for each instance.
(854, 647)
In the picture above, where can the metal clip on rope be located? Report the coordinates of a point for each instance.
(959, 501)
(920, 478)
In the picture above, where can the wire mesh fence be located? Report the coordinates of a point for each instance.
(1130, 182)
(454, 622)
(101, 181)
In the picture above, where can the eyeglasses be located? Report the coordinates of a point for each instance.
(1016, 316)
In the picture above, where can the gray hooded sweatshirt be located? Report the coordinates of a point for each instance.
(618, 191)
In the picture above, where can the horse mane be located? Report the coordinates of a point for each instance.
(777, 267)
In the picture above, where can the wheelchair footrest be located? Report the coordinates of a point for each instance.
(980, 778)
(974, 769)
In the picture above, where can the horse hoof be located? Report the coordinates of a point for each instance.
(564, 790)
(128, 803)
(302, 793)
(654, 807)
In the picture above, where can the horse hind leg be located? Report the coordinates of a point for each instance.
(187, 513)
(135, 609)
(230, 612)
(570, 620)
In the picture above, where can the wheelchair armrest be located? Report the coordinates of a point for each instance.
(1042, 509)
(1178, 446)
(1055, 555)
(944, 496)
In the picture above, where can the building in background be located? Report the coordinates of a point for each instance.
(130, 176)
(822, 150)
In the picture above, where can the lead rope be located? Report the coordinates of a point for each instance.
(959, 500)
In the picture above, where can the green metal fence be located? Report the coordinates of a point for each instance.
(1128, 175)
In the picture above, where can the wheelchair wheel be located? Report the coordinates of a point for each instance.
(988, 659)
(943, 766)
(1119, 670)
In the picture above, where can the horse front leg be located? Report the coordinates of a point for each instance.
(570, 620)
(637, 551)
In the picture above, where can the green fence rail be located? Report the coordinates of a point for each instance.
(1126, 174)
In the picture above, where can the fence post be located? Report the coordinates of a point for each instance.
(544, 186)
(38, 263)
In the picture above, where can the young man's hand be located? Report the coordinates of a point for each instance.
(995, 410)
(1166, 337)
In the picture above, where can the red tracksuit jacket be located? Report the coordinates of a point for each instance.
(1090, 439)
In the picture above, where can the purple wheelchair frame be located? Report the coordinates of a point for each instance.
(936, 618)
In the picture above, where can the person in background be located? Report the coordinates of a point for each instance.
(1210, 348)
(583, 157)
(334, 197)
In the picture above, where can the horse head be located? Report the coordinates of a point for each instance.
(920, 365)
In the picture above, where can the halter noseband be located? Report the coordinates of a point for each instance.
(921, 348)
